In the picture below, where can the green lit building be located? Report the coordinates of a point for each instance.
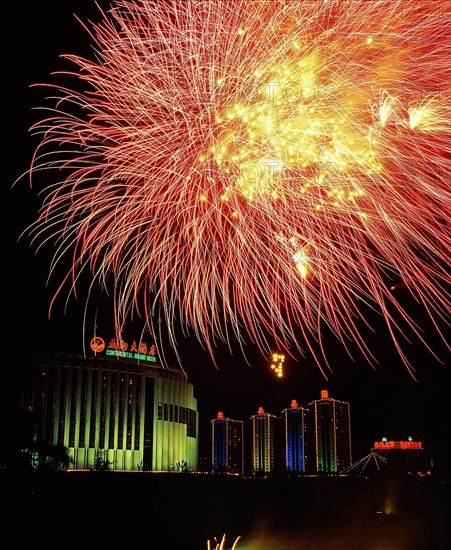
(331, 432)
(118, 402)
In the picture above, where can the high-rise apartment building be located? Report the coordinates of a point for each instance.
(331, 434)
(227, 445)
(264, 443)
(294, 438)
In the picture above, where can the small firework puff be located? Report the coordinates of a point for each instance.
(254, 170)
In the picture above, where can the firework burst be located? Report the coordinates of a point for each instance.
(258, 170)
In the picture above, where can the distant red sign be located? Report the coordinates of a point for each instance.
(397, 445)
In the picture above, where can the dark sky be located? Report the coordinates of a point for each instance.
(385, 400)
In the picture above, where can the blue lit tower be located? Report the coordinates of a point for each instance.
(332, 434)
(227, 445)
(294, 438)
(264, 442)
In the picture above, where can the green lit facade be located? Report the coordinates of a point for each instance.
(141, 415)
(332, 435)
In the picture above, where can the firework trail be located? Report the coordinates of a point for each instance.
(221, 545)
(257, 170)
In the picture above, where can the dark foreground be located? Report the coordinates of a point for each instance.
(185, 511)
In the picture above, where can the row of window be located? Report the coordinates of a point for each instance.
(93, 408)
(171, 412)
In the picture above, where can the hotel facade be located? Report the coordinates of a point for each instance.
(119, 402)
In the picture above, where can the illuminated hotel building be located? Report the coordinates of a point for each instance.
(409, 457)
(332, 434)
(123, 403)
(264, 442)
(227, 445)
(294, 438)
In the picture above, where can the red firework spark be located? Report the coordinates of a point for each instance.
(257, 168)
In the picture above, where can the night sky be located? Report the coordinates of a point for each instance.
(385, 399)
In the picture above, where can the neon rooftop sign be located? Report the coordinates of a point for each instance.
(121, 348)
